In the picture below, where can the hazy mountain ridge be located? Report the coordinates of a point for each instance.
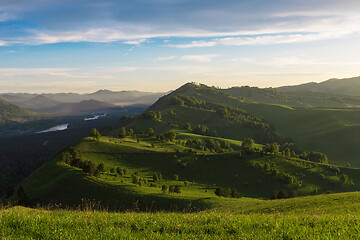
(73, 103)
(333, 93)
(101, 95)
(345, 86)
(10, 112)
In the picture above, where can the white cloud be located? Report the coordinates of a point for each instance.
(135, 42)
(118, 69)
(195, 44)
(165, 58)
(199, 58)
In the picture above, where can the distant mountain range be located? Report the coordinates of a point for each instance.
(333, 93)
(73, 103)
(117, 98)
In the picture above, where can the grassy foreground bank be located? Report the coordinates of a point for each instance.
(26, 223)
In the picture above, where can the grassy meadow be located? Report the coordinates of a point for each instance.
(301, 218)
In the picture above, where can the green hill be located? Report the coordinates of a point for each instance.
(332, 131)
(206, 110)
(10, 112)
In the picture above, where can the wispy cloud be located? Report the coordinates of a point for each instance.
(199, 58)
(268, 39)
(43, 22)
(41, 72)
(6, 17)
(294, 61)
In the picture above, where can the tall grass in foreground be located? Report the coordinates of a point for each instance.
(25, 223)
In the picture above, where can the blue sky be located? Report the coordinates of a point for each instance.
(158, 45)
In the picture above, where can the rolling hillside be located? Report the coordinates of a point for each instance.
(335, 132)
(190, 154)
(197, 173)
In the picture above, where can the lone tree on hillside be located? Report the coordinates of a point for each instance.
(164, 188)
(95, 134)
(177, 189)
(122, 133)
(171, 135)
(248, 145)
(120, 171)
(150, 132)
(101, 167)
(131, 132)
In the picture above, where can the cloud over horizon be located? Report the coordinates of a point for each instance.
(165, 43)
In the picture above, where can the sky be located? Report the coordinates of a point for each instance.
(158, 45)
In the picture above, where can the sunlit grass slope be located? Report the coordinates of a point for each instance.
(338, 220)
